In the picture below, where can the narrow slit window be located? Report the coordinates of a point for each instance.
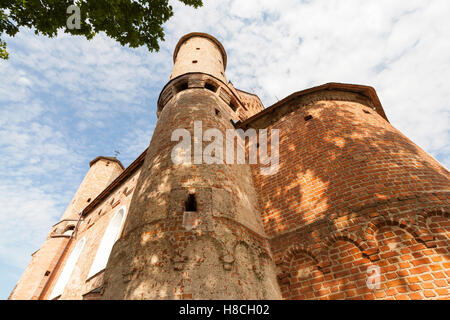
(233, 105)
(191, 203)
(69, 230)
(308, 117)
(194, 61)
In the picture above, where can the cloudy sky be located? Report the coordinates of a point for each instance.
(65, 101)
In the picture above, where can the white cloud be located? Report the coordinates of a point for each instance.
(27, 215)
(399, 47)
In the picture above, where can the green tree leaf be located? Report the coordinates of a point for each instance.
(130, 22)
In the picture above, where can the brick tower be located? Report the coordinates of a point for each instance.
(193, 230)
(44, 263)
(355, 210)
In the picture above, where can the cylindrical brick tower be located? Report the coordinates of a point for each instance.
(196, 52)
(193, 230)
(102, 171)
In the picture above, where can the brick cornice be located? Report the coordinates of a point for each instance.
(106, 158)
(365, 91)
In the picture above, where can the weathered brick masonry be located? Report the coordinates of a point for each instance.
(355, 192)
(351, 193)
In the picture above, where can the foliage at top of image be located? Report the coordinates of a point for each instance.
(130, 22)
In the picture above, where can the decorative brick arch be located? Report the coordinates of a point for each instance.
(424, 215)
(425, 223)
(284, 264)
(245, 244)
(338, 235)
(420, 234)
(181, 256)
(341, 236)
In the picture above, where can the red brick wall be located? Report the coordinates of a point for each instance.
(351, 192)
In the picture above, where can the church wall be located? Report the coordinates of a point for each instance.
(353, 192)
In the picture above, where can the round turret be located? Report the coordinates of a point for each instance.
(199, 52)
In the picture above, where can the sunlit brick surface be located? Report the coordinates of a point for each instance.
(352, 194)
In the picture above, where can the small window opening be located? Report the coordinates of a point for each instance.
(194, 61)
(308, 117)
(69, 230)
(182, 86)
(197, 48)
(217, 112)
(89, 200)
(210, 86)
(233, 105)
(366, 111)
(191, 203)
(47, 273)
(235, 122)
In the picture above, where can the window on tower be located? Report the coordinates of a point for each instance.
(69, 230)
(211, 87)
(181, 86)
(233, 104)
(191, 203)
(68, 269)
(109, 238)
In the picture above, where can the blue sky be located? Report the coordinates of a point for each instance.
(65, 101)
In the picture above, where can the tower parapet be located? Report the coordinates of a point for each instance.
(199, 63)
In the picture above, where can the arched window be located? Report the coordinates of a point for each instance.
(68, 269)
(69, 230)
(108, 240)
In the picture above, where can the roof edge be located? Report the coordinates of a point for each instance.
(114, 159)
(367, 91)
